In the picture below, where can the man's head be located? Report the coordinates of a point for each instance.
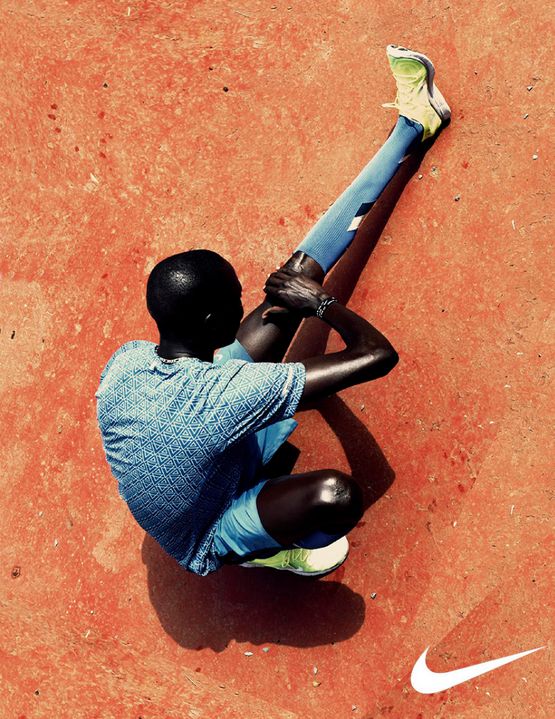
(195, 296)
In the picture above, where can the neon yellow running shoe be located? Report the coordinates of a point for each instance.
(308, 562)
(417, 98)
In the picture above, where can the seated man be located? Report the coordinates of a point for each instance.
(187, 434)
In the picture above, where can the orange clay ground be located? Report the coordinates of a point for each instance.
(133, 130)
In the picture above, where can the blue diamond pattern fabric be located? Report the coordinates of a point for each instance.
(180, 437)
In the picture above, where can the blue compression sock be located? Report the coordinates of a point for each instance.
(334, 232)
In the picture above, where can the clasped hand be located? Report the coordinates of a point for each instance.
(288, 290)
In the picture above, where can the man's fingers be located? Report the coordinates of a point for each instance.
(285, 271)
(272, 286)
(280, 277)
(274, 311)
(276, 280)
(281, 273)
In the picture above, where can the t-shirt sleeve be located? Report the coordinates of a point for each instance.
(132, 344)
(252, 395)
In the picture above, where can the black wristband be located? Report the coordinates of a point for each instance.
(324, 304)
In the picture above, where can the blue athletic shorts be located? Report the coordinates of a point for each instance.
(240, 530)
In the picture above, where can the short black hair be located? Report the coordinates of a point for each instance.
(182, 288)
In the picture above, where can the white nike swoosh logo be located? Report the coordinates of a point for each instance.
(426, 681)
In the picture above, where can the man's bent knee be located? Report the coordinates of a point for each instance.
(338, 492)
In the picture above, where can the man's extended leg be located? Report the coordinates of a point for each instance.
(422, 111)
(327, 241)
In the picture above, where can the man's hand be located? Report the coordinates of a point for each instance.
(291, 290)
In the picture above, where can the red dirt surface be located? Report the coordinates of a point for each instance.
(132, 130)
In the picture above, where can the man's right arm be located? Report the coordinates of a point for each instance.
(367, 354)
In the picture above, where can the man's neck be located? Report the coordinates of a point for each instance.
(172, 349)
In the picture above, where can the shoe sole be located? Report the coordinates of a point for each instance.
(437, 101)
(300, 572)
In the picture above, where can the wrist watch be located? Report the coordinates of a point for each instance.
(324, 304)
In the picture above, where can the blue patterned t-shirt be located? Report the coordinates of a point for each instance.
(178, 438)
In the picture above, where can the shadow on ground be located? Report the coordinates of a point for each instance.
(260, 606)
(264, 606)
(367, 463)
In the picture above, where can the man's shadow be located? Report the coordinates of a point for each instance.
(264, 606)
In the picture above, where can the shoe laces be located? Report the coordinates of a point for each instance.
(295, 557)
(408, 89)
